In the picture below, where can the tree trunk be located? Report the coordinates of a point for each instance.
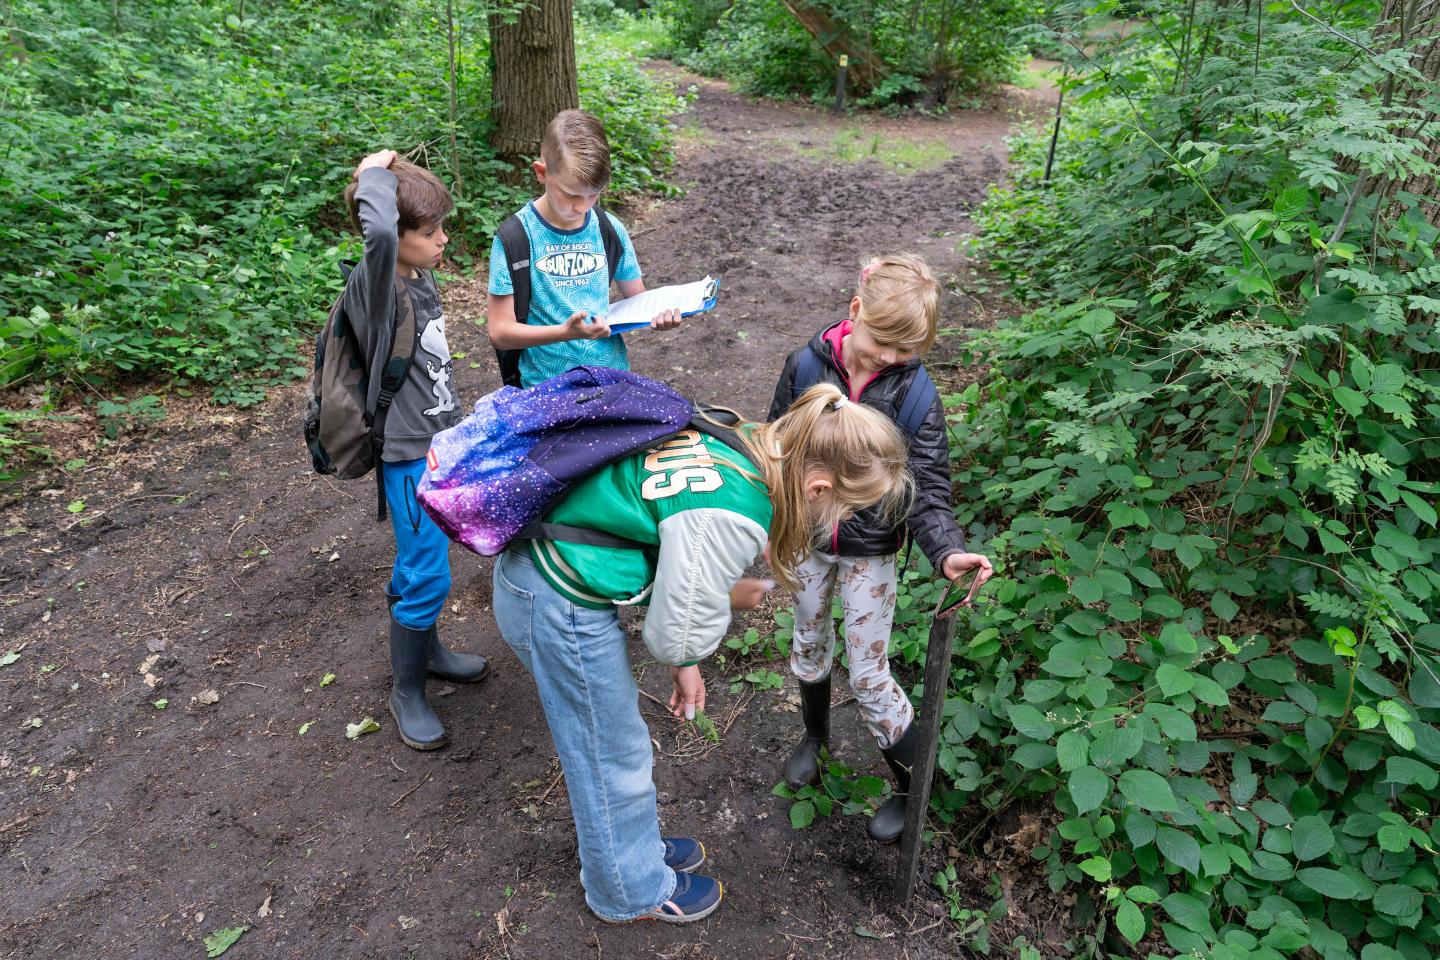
(532, 68)
(1416, 24)
(865, 69)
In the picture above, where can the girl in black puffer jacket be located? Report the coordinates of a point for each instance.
(874, 356)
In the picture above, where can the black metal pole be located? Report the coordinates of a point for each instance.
(932, 712)
(1054, 136)
(840, 84)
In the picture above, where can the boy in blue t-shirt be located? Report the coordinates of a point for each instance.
(569, 275)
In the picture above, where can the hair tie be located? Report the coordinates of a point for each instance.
(866, 271)
(838, 403)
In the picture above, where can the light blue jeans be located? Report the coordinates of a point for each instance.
(582, 672)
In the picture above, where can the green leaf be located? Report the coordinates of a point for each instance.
(1130, 921)
(1397, 899)
(1421, 509)
(1223, 606)
(1087, 590)
(1283, 711)
(1176, 639)
(1163, 606)
(1179, 848)
(1311, 838)
(1271, 812)
(1148, 790)
(1031, 722)
(1407, 770)
(76, 506)
(1072, 750)
(1190, 912)
(1209, 691)
(802, 814)
(1174, 680)
(353, 731)
(9, 658)
(1328, 883)
(1088, 788)
(222, 940)
(1351, 400)
(1097, 869)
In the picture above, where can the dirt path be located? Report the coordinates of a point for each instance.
(210, 564)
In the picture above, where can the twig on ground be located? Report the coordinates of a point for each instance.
(407, 793)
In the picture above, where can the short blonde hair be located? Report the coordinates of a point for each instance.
(575, 143)
(899, 301)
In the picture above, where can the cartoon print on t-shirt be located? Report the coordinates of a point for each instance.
(432, 341)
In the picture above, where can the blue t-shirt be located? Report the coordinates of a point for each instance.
(568, 272)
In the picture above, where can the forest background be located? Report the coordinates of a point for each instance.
(1204, 452)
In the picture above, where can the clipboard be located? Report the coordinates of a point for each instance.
(689, 298)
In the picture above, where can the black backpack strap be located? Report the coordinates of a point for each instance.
(404, 341)
(537, 530)
(807, 371)
(515, 241)
(610, 240)
(919, 397)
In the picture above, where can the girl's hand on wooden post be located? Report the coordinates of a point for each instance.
(956, 565)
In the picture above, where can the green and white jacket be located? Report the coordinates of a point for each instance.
(707, 519)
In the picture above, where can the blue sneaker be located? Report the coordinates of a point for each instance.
(683, 854)
(695, 898)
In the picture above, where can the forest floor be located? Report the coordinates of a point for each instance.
(173, 763)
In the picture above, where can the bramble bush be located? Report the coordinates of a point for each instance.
(1205, 462)
(169, 202)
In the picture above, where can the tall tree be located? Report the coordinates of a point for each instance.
(532, 66)
(1415, 24)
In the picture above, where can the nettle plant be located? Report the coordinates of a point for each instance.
(1212, 459)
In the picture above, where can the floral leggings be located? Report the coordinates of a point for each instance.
(867, 598)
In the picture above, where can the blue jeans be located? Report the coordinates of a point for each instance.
(421, 574)
(582, 672)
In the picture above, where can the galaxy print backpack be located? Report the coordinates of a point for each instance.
(490, 478)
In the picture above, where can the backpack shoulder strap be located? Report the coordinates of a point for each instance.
(807, 370)
(705, 419)
(919, 397)
(404, 339)
(516, 243)
(610, 239)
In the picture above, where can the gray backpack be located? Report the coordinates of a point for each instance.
(345, 435)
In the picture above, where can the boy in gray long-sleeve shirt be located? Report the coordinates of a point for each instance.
(400, 209)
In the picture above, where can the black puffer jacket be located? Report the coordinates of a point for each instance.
(931, 520)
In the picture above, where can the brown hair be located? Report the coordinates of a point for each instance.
(899, 301)
(420, 198)
(575, 143)
(860, 447)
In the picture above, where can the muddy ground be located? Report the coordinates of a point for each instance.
(173, 637)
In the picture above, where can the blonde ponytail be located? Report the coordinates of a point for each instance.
(861, 448)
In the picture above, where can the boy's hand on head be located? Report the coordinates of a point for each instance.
(747, 594)
(380, 158)
(956, 565)
(689, 696)
(581, 327)
(666, 320)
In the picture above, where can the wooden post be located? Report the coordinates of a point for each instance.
(840, 84)
(932, 712)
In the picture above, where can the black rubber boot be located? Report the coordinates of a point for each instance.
(460, 667)
(409, 652)
(803, 767)
(391, 599)
(889, 821)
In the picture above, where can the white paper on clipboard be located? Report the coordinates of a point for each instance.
(634, 313)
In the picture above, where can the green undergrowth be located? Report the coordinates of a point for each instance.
(1205, 464)
(170, 209)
